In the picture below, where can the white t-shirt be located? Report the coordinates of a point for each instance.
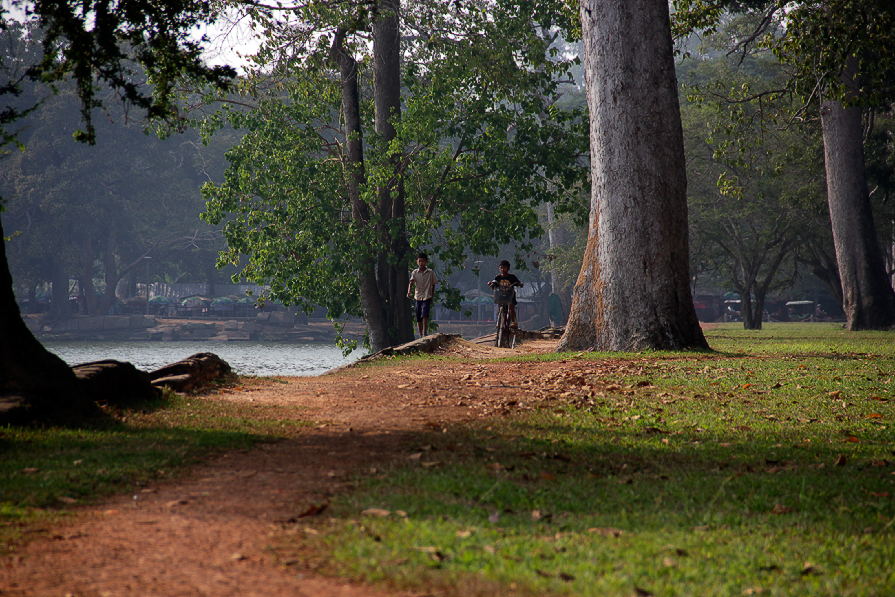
(425, 284)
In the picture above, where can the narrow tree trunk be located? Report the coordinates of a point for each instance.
(633, 292)
(210, 273)
(556, 236)
(747, 313)
(753, 311)
(86, 279)
(753, 291)
(59, 297)
(110, 276)
(29, 373)
(823, 265)
(370, 298)
(393, 273)
(867, 295)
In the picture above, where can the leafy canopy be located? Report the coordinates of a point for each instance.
(480, 142)
(101, 42)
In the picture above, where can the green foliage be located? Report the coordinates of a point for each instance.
(138, 47)
(296, 232)
(822, 37)
(760, 70)
(750, 179)
(479, 143)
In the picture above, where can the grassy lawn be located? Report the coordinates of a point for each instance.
(765, 468)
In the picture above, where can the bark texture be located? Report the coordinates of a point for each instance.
(867, 295)
(382, 273)
(392, 266)
(30, 375)
(633, 291)
(355, 175)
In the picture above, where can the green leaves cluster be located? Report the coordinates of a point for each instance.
(480, 142)
(284, 189)
(138, 47)
(759, 72)
(820, 39)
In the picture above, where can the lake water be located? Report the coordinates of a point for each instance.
(246, 358)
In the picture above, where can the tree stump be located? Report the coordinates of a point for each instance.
(115, 382)
(190, 373)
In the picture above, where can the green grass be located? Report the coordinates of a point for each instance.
(767, 467)
(44, 471)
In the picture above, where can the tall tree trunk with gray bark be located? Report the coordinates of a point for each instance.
(867, 295)
(392, 271)
(633, 292)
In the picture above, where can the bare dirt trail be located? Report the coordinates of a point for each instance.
(209, 533)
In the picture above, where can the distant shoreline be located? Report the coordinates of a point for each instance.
(152, 328)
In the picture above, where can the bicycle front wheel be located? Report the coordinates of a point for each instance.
(501, 327)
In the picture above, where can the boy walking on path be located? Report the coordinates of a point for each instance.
(424, 278)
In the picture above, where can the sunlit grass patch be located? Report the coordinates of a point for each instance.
(766, 468)
(565, 505)
(798, 339)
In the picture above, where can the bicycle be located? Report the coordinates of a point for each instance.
(506, 335)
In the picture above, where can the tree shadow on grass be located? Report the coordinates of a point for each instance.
(635, 479)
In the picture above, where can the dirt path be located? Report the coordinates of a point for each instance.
(210, 532)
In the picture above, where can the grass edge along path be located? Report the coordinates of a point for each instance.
(766, 468)
(45, 472)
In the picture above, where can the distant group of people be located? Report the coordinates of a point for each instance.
(424, 280)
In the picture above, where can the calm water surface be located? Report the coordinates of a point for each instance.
(246, 358)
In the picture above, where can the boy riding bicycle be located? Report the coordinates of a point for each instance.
(506, 281)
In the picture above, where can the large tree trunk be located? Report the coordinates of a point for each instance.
(29, 373)
(392, 265)
(867, 295)
(633, 292)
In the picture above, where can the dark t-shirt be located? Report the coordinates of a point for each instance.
(506, 282)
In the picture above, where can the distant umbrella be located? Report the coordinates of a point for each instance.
(194, 301)
(160, 300)
(475, 293)
(222, 300)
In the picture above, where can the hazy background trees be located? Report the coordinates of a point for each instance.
(99, 213)
(835, 59)
(94, 46)
(489, 138)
